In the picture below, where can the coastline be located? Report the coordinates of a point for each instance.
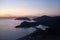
(40, 35)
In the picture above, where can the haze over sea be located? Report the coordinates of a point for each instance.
(9, 32)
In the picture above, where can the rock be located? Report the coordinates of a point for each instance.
(26, 24)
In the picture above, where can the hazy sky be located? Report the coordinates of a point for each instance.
(13, 8)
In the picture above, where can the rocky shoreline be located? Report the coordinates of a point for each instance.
(41, 35)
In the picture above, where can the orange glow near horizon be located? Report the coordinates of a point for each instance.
(28, 13)
(20, 8)
(17, 14)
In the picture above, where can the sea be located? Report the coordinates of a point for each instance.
(9, 32)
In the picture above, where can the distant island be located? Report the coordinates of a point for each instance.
(23, 18)
(51, 33)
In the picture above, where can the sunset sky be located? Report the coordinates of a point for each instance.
(16, 8)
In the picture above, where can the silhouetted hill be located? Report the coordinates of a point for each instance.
(48, 21)
(42, 18)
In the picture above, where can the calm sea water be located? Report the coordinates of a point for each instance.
(9, 32)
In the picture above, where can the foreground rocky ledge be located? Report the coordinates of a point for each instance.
(41, 35)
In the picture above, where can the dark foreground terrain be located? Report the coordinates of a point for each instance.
(51, 33)
(41, 35)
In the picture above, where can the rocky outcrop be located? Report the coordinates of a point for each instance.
(26, 24)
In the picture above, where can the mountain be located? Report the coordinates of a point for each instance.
(51, 33)
(43, 20)
(48, 21)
